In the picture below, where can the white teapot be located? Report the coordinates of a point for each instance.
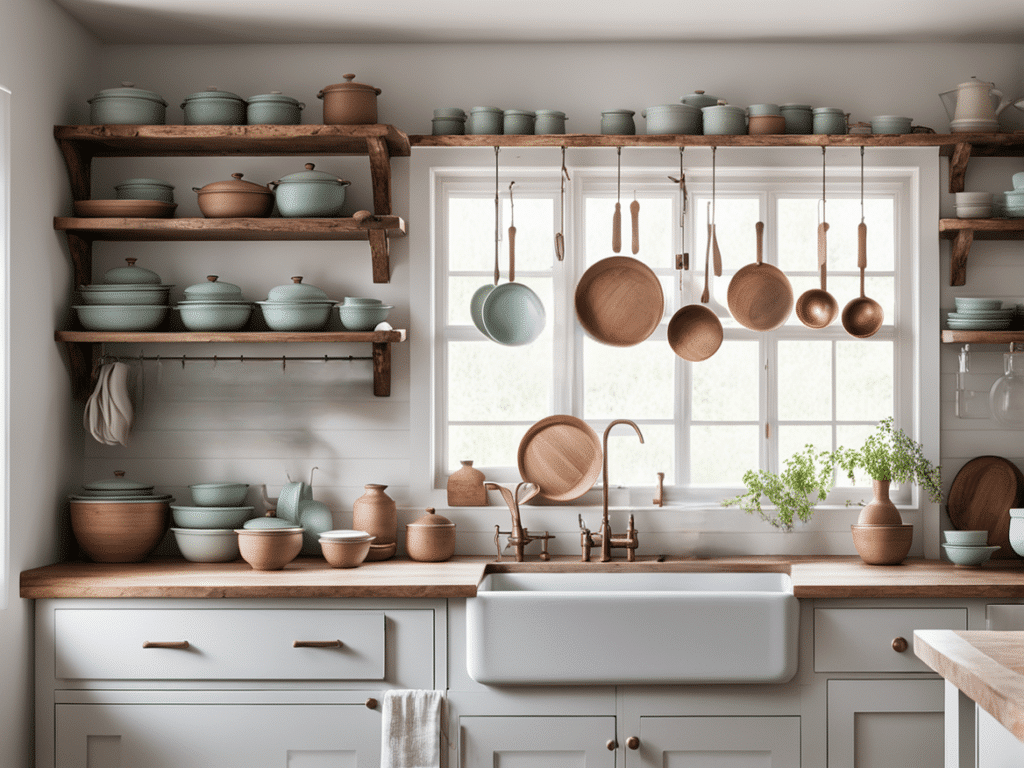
(974, 106)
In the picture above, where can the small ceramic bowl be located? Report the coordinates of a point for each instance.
(890, 124)
(213, 545)
(210, 517)
(363, 317)
(218, 494)
(967, 538)
(345, 549)
(968, 303)
(269, 549)
(973, 198)
(967, 556)
(973, 211)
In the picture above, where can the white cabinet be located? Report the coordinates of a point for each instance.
(227, 683)
(537, 742)
(715, 742)
(885, 723)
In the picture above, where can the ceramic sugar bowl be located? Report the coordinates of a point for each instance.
(431, 539)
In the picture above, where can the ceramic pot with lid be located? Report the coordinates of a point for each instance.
(273, 108)
(127, 105)
(452, 125)
(485, 121)
(309, 194)
(235, 199)
(699, 99)
(724, 119)
(214, 107)
(214, 291)
(618, 122)
(349, 103)
(431, 538)
(296, 307)
(799, 118)
(673, 119)
(518, 122)
(297, 291)
(131, 275)
(829, 120)
(144, 189)
(549, 121)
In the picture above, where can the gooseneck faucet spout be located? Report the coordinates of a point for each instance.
(606, 531)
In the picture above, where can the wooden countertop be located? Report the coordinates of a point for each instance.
(987, 666)
(813, 577)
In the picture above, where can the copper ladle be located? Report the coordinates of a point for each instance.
(862, 317)
(817, 308)
(695, 332)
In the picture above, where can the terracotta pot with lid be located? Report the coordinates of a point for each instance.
(349, 103)
(431, 538)
(235, 199)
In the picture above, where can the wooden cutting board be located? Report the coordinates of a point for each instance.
(562, 456)
(981, 497)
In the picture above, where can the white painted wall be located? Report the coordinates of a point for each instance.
(199, 424)
(48, 63)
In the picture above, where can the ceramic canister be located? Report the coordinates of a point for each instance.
(466, 487)
(763, 109)
(549, 121)
(214, 107)
(518, 122)
(618, 122)
(273, 108)
(485, 121)
(673, 119)
(799, 118)
(431, 539)
(829, 120)
(724, 119)
(448, 126)
(375, 512)
(127, 105)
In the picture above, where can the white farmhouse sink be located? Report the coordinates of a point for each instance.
(632, 628)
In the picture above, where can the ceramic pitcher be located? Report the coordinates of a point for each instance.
(974, 104)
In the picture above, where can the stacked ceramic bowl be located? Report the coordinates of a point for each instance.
(1013, 200)
(968, 549)
(345, 548)
(296, 307)
(130, 298)
(973, 205)
(359, 314)
(979, 315)
(118, 520)
(205, 531)
(214, 306)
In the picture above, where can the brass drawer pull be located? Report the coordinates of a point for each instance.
(900, 645)
(371, 703)
(316, 644)
(178, 644)
(633, 742)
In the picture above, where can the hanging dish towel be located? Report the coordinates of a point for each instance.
(411, 729)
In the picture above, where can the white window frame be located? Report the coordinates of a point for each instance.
(916, 169)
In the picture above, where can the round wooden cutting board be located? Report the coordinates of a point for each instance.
(561, 455)
(981, 497)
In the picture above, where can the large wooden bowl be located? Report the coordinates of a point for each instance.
(619, 301)
(110, 531)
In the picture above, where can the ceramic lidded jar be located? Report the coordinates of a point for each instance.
(127, 105)
(799, 118)
(466, 487)
(214, 107)
(349, 103)
(549, 121)
(431, 538)
(309, 194)
(273, 108)
(618, 122)
(234, 198)
(829, 120)
(518, 122)
(376, 513)
(485, 121)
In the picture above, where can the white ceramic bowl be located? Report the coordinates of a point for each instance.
(968, 538)
(973, 211)
(968, 556)
(207, 545)
(973, 198)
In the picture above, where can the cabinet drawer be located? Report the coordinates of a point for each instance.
(222, 644)
(861, 639)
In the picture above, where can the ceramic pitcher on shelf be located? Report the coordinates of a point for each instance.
(974, 106)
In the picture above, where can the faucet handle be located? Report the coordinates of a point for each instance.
(582, 526)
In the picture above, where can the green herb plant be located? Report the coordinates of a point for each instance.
(890, 454)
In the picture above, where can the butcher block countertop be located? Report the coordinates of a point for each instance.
(987, 666)
(813, 577)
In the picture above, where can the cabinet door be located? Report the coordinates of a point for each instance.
(885, 723)
(217, 736)
(537, 742)
(716, 742)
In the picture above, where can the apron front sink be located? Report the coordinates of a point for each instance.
(632, 628)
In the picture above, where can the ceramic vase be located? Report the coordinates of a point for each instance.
(880, 510)
(466, 487)
(375, 512)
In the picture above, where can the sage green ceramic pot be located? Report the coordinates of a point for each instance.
(273, 108)
(214, 316)
(485, 121)
(518, 122)
(296, 316)
(799, 118)
(448, 126)
(309, 194)
(829, 120)
(549, 121)
(144, 189)
(214, 107)
(127, 105)
(120, 317)
(618, 122)
(673, 119)
(724, 119)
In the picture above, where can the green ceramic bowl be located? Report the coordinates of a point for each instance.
(120, 317)
(968, 556)
(210, 517)
(218, 494)
(214, 316)
(296, 316)
(363, 317)
(126, 295)
(213, 545)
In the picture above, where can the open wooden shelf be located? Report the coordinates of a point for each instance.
(982, 337)
(83, 347)
(963, 233)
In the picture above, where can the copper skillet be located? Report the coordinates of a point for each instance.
(760, 295)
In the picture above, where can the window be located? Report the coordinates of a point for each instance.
(754, 403)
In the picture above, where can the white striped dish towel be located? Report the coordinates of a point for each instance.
(411, 729)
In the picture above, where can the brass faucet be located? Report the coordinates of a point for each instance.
(518, 537)
(604, 537)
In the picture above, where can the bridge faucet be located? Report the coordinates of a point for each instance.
(608, 540)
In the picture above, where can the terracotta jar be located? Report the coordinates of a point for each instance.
(466, 487)
(349, 103)
(375, 512)
(431, 539)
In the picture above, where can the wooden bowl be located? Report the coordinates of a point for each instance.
(113, 531)
(269, 549)
(882, 544)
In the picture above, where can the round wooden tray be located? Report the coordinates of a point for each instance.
(124, 209)
(619, 301)
(561, 455)
(981, 497)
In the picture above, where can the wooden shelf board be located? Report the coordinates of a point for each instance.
(227, 140)
(983, 229)
(982, 337)
(228, 229)
(233, 337)
(984, 144)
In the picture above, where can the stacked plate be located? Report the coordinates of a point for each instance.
(979, 315)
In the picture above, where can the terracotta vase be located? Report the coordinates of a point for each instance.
(880, 510)
(466, 487)
(375, 512)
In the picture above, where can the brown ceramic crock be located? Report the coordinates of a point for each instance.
(349, 103)
(235, 199)
(430, 539)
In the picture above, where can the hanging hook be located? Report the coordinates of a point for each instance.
(862, 184)
(565, 171)
(284, 362)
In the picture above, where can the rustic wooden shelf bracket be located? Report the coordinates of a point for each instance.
(961, 250)
(958, 167)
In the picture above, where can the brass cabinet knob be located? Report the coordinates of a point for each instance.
(371, 703)
(633, 742)
(612, 745)
(900, 644)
